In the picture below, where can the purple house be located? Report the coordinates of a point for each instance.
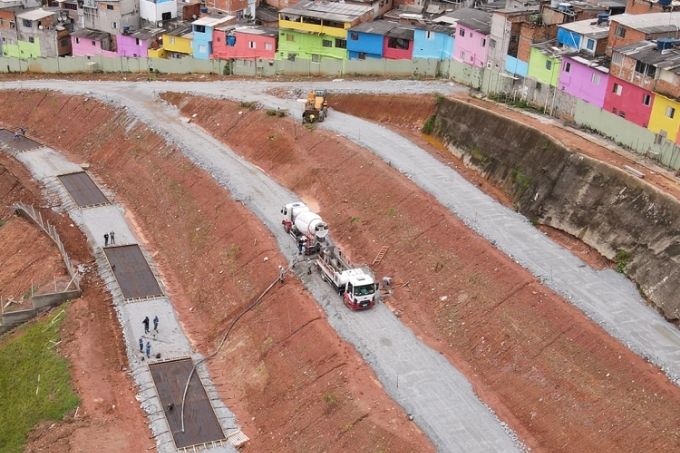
(137, 43)
(472, 38)
(584, 77)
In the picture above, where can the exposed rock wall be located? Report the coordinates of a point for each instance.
(621, 216)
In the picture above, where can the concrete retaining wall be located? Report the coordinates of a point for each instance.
(45, 301)
(606, 207)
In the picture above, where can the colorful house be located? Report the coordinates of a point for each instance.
(628, 101)
(587, 36)
(312, 30)
(630, 28)
(89, 43)
(367, 40)
(506, 26)
(585, 78)
(154, 11)
(434, 41)
(36, 33)
(137, 44)
(472, 39)
(398, 44)
(203, 29)
(544, 63)
(665, 118)
(244, 42)
(176, 43)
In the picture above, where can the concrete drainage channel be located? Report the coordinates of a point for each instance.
(136, 293)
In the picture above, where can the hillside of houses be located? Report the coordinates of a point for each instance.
(618, 55)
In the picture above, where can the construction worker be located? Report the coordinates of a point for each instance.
(282, 273)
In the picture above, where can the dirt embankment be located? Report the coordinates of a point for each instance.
(559, 380)
(293, 384)
(624, 218)
(109, 418)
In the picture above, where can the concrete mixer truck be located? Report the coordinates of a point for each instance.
(356, 285)
(305, 226)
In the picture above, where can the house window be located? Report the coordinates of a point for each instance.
(252, 45)
(462, 32)
(290, 37)
(340, 43)
(617, 58)
(429, 34)
(354, 36)
(617, 89)
(114, 26)
(645, 69)
(362, 55)
(291, 56)
(199, 28)
(620, 31)
(172, 40)
(670, 112)
(137, 41)
(492, 43)
(31, 39)
(398, 43)
(595, 79)
(483, 42)
(27, 23)
(93, 43)
(646, 99)
(77, 40)
(548, 65)
(567, 67)
(462, 55)
(316, 58)
(590, 44)
(109, 7)
(268, 46)
(327, 43)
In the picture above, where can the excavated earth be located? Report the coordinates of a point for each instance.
(292, 382)
(558, 379)
(109, 418)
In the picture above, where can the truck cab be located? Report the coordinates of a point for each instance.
(358, 290)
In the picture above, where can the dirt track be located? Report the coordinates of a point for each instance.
(561, 381)
(291, 381)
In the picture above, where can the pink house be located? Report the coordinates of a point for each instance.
(398, 44)
(585, 78)
(136, 44)
(628, 101)
(89, 43)
(472, 38)
(244, 42)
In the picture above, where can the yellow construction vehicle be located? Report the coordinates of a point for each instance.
(316, 107)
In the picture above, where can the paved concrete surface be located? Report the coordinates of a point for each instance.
(438, 396)
(132, 272)
(45, 165)
(83, 190)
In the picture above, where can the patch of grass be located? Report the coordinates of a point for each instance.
(24, 357)
(354, 220)
(277, 112)
(428, 127)
(248, 105)
(521, 180)
(331, 402)
(622, 259)
(478, 156)
(391, 212)
(2, 222)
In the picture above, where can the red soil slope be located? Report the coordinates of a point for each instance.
(559, 380)
(294, 385)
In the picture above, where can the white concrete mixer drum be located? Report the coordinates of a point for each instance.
(310, 223)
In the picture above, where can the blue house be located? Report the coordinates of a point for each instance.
(367, 40)
(434, 41)
(202, 28)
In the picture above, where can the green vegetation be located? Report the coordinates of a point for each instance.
(391, 212)
(331, 402)
(521, 180)
(35, 381)
(512, 101)
(2, 222)
(248, 105)
(478, 156)
(428, 127)
(354, 220)
(277, 112)
(622, 259)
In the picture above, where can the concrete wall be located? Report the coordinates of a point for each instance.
(46, 301)
(604, 206)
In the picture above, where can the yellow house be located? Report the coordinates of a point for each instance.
(665, 117)
(177, 42)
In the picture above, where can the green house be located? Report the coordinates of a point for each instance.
(312, 31)
(544, 63)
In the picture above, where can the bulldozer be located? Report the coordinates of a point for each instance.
(316, 107)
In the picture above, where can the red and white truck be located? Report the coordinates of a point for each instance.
(305, 226)
(356, 285)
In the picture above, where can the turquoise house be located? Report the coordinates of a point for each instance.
(434, 41)
(202, 28)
